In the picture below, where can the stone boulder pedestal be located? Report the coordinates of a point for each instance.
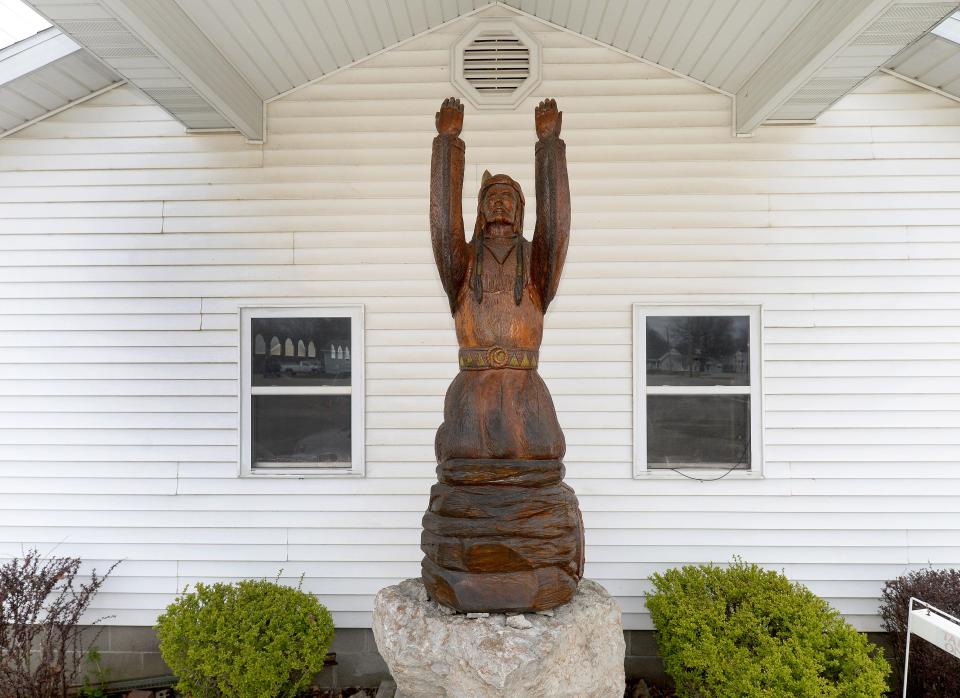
(576, 649)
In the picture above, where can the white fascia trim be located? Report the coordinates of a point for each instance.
(918, 83)
(824, 30)
(52, 112)
(170, 33)
(41, 49)
(949, 28)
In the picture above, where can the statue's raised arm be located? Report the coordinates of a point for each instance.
(446, 192)
(552, 233)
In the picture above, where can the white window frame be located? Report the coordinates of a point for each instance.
(355, 390)
(641, 390)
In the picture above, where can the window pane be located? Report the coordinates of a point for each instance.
(700, 350)
(301, 429)
(300, 351)
(703, 430)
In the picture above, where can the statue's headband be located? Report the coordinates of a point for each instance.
(489, 180)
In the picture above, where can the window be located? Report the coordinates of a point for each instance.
(697, 391)
(301, 410)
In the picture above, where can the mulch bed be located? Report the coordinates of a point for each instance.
(638, 688)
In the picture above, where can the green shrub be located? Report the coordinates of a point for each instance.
(744, 632)
(252, 639)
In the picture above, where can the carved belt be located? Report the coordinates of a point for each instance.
(497, 357)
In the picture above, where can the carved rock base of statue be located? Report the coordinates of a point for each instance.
(577, 651)
(502, 536)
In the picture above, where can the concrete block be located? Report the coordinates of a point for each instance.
(350, 640)
(132, 638)
(365, 669)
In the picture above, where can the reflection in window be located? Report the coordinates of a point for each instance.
(698, 430)
(698, 350)
(259, 345)
(301, 430)
(295, 359)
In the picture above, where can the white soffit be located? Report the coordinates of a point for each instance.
(155, 46)
(212, 63)
(279, 46)
(897, 27)
(717, 42)
(45, 74)
(934, 61)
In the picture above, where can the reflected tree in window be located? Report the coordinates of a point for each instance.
(698, 350)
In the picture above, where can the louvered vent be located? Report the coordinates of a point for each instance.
(496, 63)
(902, 24)
(106, 38)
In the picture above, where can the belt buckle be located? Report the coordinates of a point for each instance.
(497, 357)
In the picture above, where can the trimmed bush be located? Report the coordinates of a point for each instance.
(745, 632)
(252, 639)
(933, 673)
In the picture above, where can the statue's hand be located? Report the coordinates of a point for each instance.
(547, 119)
(450, 117)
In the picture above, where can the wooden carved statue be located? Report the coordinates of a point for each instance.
(502, 531)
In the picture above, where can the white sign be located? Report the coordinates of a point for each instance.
(934, 626)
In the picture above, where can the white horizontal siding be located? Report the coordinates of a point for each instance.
(128, 247)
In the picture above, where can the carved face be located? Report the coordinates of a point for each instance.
(499, 204)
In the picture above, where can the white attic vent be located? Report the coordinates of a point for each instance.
(496, 64)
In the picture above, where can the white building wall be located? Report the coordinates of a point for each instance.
(127, 247)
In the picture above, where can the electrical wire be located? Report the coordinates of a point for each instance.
(743, 455)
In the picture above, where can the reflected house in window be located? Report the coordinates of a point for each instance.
(689, 350)
(672, 361)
